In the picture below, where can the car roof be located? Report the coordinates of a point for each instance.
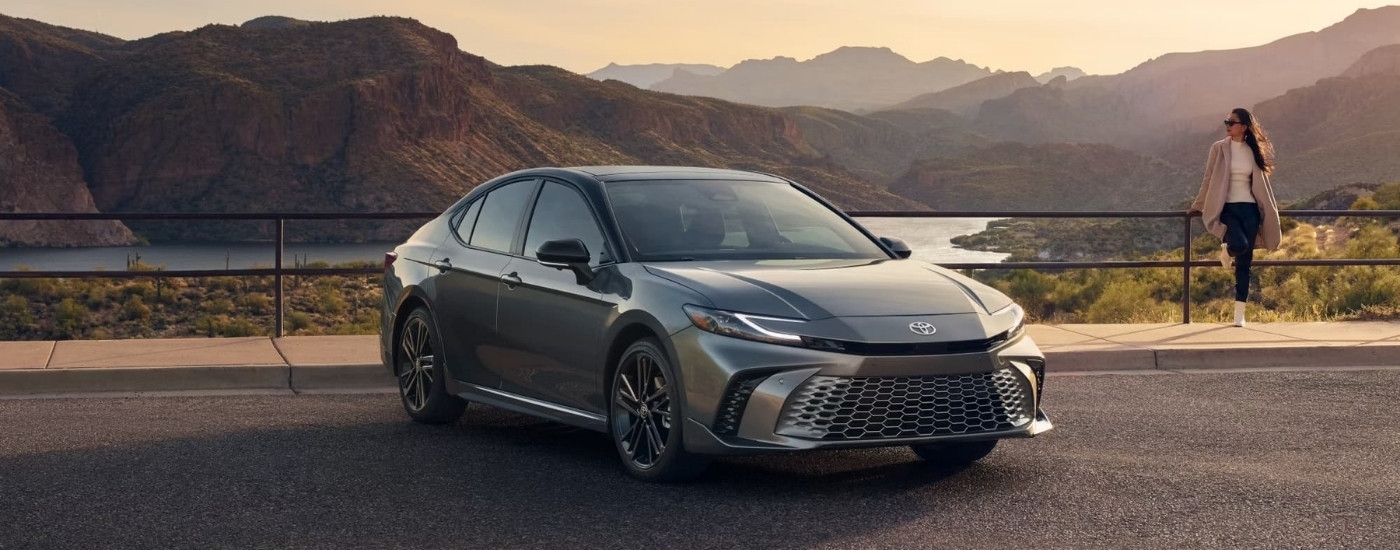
(632, 173)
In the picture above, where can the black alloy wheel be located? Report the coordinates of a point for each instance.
(419, 368)
(646, 417)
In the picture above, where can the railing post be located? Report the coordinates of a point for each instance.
(277, 288)
(1186, 272)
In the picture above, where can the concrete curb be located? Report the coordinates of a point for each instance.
(1221, 358)
(341, 377)
(1099, 360)
(1275, 357)
(143, 379)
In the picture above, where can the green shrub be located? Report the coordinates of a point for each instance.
(33, 288)
(69, 316)
(218, 306)
(138, 288)
(236, 328)
(296, 321)
(16, 318)
(329, 302)
(136, 310)
(257, 304)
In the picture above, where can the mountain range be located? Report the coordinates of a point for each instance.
(848, 78)
(320, 118)
(644, 76)
(387, 114)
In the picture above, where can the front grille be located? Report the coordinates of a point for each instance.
(840, 408)
(910, 348)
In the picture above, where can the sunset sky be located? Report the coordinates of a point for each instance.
(1099, 36)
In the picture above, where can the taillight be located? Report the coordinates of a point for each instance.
(389, 258)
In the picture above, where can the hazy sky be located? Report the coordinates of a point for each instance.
(1099, 36)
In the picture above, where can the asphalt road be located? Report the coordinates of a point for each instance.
(1257, 460)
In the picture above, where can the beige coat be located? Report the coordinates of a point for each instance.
(1210, 201)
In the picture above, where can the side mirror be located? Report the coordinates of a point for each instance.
(570, 254)
(897, 246)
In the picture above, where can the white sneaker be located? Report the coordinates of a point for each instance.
(1225, 260)
(1239, 314)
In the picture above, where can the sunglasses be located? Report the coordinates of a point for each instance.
(1229, 123)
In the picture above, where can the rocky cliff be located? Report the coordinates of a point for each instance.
(39, 172)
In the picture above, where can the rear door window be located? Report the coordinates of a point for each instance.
(500, 216)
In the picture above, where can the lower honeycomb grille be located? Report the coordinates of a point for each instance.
(865, 408)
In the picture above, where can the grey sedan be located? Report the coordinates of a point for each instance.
(693, 312)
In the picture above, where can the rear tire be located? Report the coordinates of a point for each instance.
(646, 416)
(421, 373)
(954, 455)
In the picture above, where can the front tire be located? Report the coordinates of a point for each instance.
(954, 455)
(645, 420)
(421, 373)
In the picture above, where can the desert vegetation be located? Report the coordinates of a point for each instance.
(63, 309)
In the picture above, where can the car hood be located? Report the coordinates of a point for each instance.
(819, 289)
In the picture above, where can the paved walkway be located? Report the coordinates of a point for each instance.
(339, 363)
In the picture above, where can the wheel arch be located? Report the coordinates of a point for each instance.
(413, 298)
(625, 332)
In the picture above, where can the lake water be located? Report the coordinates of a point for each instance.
(929, 239)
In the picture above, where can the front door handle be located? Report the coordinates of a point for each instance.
(444, 264)
(511, 280)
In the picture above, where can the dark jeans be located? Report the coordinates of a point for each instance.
(1241, 221)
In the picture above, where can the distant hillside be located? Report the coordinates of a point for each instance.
(967, 99)
(848, 78)
(644, 76)
(1050, 113)
(1339, 130)
(274, 22)
(1070, 73)
(39, 169)
(1382, 60)
(881, 146)
(41, 63)
(1060, 176)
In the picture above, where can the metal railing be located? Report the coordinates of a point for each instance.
(280, 219)
(279, 243)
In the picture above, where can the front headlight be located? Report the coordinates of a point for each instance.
(741, 325)
(1018, 323)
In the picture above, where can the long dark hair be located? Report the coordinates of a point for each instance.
(1257, 140)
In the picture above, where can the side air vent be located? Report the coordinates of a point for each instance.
(731, 408)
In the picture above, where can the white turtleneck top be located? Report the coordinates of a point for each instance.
(1241, 170)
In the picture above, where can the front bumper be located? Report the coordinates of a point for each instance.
(787, 396)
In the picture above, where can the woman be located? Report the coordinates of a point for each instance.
(1236, 200)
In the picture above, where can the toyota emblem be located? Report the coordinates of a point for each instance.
(921, 327)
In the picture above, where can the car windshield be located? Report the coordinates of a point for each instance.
(676, 220)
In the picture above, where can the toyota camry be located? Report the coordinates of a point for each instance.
(694, 312)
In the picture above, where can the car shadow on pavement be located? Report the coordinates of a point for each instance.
(494, 479)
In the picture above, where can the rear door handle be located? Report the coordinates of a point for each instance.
(511, 280)
(444, 264)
